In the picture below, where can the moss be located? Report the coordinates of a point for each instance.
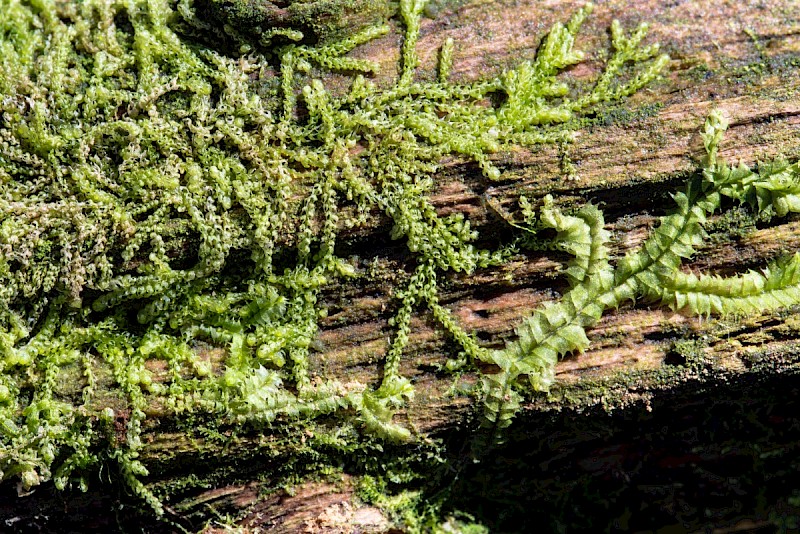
(699, 73)
(766, 63)
(620, 114)
(171, 216)
(434, 8)
(261, 24)
(732, 225)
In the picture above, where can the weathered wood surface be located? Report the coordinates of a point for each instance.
(740, 57)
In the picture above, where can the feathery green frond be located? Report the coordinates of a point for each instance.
(557, 328)
(651, 273)
(778, 286)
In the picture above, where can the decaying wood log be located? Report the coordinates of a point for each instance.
(662, 411)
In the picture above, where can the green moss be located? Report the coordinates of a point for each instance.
(698, 73)
(732, 225)
(766, 63)
(261, 24)
(620, 114)
(170, 216)
(434, 8)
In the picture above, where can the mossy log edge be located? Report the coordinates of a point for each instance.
(736, 57)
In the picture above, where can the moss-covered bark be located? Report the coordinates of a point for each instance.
(627, 158)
